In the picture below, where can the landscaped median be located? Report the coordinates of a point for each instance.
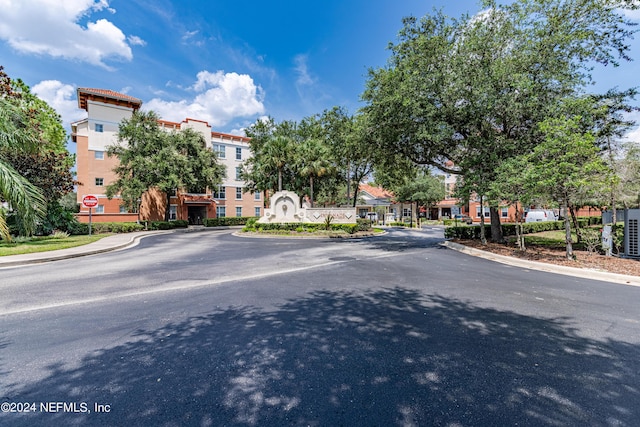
(325, 230)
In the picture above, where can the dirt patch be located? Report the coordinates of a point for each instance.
(557, 256)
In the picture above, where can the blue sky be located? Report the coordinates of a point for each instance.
(226, 62)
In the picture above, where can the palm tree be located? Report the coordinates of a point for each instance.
(276, 154)
(15, 190)
(314, 162)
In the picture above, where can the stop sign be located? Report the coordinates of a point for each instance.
(90, 201)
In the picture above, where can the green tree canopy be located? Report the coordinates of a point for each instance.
(473, 90)
(150, 157)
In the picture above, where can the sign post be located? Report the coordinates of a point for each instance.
(90, 201)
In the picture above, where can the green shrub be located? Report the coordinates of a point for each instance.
(363, 224)
(397, 224)
(106, 227)
(79, 228)
(307, 228)
(227, 221)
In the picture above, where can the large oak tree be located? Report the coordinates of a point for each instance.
(473, 90)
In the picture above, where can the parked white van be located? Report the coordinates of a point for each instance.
(539, 215)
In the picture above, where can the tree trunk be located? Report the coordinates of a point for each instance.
(613, 206)
(519, 230)
(311, 189)
(410, 214)
(567, 229)
(355, 197)
(167, 209)
(574, 218)
(496, 226)
(279, 179)
(483, 237)
(349, 186)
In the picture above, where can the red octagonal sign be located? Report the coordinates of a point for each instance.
(90, 201)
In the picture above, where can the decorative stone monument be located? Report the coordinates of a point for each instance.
(286, 208)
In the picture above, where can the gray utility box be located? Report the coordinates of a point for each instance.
(631, 233)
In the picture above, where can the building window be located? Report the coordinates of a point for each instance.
(220, 193)
(238, 210)
(173, 212)
(238, 153)
(100, 209)
(257, 211)
(406, 212)
(123, 209)
(238, 173)
(239, 193)
(220, 151)
(221, 211)
(256, 195)
(479, 212)
(98, 155)
(99, 182)
(98, 127)
(504, 212)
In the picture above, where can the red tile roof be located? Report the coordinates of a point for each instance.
(377, 192)
(84, 93)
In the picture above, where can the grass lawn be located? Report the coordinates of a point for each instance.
(552, 239)
(46, 243)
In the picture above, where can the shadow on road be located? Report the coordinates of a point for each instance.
(392, 357)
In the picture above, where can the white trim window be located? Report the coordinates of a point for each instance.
(173, 212)
(220, 151)
(257, 211)
(98, 155)
(98, 127)
(220, 193)
(221, 211)
(238, 211)
(238, 193)
(99, 182)
(238, 153)
(487, 213)
(100, 209)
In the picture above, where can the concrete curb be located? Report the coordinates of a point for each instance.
(108, 244)
(541, 266)
(127, 240)
(250, 235)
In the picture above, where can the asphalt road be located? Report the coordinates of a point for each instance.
(212, 329)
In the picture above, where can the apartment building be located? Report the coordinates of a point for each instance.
(105, 109)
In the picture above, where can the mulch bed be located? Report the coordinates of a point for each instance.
(557, 256)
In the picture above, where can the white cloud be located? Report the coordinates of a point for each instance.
(62, 98)
(301, 68)
(220, 97)
(634, 134)
(51, 27)
(136, 41)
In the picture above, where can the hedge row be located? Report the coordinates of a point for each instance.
(363, 225)
(105, 227)
(473, 232)
(167, 225)
(227, 221)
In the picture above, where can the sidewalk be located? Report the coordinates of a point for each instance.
(107, 244)
(551, 268)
